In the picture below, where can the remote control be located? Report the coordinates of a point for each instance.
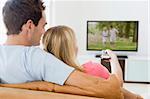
(104, 55)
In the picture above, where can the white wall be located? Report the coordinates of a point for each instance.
(149, 41)
(2, 26)
(75, 14)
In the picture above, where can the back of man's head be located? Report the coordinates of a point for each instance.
(17, 12)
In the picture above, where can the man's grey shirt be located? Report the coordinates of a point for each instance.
(19, 64)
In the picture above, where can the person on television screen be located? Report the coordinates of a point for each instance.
(113, 35)
(61, 42)
(105, 36)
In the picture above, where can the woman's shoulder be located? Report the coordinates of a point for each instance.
(96, 69)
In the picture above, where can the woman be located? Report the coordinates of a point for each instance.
(61, 42)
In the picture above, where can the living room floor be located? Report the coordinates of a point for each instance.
(141, 89)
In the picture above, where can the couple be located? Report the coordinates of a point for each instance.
(109, 35)
(56, 68)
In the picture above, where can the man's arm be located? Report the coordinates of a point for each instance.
(36, 85)
(47, 86)
(109, 89)
(78, 83)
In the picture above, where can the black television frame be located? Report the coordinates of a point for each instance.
(113, 21)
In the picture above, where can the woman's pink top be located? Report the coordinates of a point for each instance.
(96, 69)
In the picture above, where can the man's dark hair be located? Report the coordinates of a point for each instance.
(17, 12)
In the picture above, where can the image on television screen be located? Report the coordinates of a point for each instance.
(114, 35)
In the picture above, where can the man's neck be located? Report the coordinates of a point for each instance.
(16, 40)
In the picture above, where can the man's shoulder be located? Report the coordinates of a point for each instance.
(35, 50)
(31, 52)
(18, 48)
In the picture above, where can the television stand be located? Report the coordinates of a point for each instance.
(121, 59)
(118, 56)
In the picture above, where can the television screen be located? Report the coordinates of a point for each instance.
(114, 35)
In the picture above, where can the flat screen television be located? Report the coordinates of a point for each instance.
(114, 35)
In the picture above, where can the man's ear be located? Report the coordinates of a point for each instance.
(28, 27)
(28, 30)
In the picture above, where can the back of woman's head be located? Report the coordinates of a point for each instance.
(61, 42)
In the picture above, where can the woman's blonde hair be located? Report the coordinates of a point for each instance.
(61, 42)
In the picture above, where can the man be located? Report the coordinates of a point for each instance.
(105, 36)
(21, 61)
(113, 35)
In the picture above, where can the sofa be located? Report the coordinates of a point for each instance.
(45, 90)
(14, 93)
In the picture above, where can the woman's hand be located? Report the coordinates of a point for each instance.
(111, 54)
(115, 66)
